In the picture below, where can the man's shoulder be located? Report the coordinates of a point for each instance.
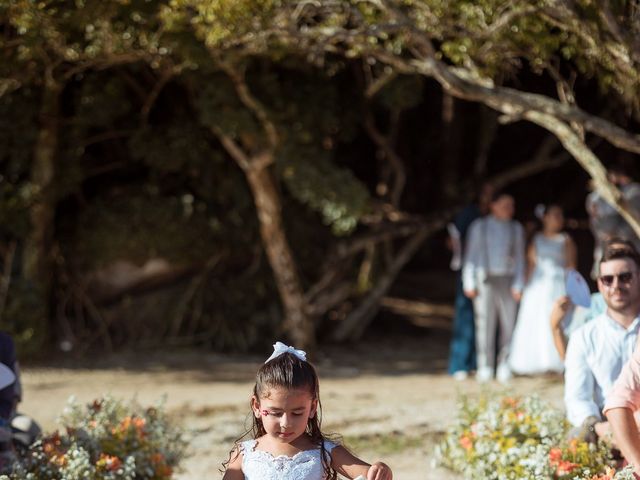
(589, 331)
(477, 223)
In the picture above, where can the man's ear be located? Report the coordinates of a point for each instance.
(255, 406)
(314, 408)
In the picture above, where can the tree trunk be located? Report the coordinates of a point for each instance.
(297, 321)
(267, 200)
(37, 263)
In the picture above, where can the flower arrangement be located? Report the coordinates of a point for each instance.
(520, 438)
(106, 440)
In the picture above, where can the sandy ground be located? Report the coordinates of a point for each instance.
(390, 400)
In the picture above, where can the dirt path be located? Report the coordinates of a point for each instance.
(390, 401)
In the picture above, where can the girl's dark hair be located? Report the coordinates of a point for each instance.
(289, 372)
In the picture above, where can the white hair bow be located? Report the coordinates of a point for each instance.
(279, 348)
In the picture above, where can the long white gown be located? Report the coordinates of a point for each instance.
(532, 349)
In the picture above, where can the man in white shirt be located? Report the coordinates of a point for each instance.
(493, 277)
(597, 351)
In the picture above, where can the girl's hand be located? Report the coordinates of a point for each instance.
(379, 471)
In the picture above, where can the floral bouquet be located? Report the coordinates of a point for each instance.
(519, 438)
(105, 440)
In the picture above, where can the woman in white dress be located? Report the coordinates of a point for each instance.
(550, 253)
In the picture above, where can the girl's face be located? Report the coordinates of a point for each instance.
(284, 412)
(553, 219)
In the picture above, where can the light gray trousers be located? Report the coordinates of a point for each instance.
(494, 303)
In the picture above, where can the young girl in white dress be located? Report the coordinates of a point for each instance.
(550, 253)
(287, 441)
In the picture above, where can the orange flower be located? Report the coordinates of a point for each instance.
(565, 467)
(510, 402)
(127, 423)
(573, 445)
(608, 474)
(466, 442)
(555, 456)
(51, 444)
(110, 463)
(59, 460)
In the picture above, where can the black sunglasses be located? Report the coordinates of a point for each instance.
(624, 277)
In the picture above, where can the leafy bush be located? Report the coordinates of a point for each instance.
(105, 440)
(521, 438)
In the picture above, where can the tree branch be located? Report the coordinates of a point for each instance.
(589, 162)
(233, 149)
(166, 75)
(248, 100)
(354, 325)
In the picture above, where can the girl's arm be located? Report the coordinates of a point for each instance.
(234, 468)
(571, 253)
(558, 312)
(351, 466)
(531, 260)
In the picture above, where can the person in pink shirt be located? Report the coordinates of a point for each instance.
(622, 409)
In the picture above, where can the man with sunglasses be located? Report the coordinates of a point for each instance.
(622, 409)
(597, 351)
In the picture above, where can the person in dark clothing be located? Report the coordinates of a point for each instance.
(11, 395)
(462, 351)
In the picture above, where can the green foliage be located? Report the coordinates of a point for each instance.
(218, 106)
(18, 120)
(18, 131)
(220, 21)
(85, 30)
(489, 38)
(138, 225)
(175, 148)
(334, 192)
(24, 317)
(308, 112)
(183, 152)
(492, 38)
(102, 101)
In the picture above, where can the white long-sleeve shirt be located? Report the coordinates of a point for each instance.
(595, 355)
(494, 247)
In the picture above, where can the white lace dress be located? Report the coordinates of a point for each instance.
(261, 465)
